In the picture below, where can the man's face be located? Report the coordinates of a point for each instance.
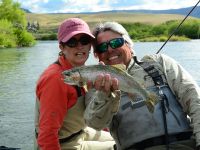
(119, 54)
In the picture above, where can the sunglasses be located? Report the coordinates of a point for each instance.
(73, 42)
(114, 43)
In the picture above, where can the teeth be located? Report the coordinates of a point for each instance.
(79, 53)
(111, 58)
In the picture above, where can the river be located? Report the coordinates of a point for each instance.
(21, 67)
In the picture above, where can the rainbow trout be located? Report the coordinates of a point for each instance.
(127, 83)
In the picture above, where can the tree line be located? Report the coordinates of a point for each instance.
(190, 29)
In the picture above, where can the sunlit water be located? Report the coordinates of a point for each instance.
(20, 69)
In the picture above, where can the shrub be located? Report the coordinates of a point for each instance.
(7, 36)
(25, 38)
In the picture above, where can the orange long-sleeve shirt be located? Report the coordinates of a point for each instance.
(55, 98)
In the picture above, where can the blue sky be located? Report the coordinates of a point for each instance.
(75, 6)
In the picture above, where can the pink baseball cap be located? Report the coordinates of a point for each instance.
(71, 27)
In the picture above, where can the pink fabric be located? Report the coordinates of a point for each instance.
(71, 27)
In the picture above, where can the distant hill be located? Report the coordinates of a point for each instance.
(26, 10)
(52, 20)
(49, 22)
(181, 11)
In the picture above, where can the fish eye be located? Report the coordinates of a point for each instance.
(66, 73)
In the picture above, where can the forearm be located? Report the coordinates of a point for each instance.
(101, 108)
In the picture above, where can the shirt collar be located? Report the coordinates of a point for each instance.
(64, 63)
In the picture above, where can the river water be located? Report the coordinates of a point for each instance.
(20, 68)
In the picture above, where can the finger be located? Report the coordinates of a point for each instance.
(101, 63)
(89, 85)
(115, 84)
(107, 84)
(98, 82)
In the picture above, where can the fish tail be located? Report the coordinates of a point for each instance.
(151, 101)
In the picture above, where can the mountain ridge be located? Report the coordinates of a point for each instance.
(180, 11)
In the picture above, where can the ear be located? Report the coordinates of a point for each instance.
(61, 47)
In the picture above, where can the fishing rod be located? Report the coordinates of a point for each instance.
(178, 27)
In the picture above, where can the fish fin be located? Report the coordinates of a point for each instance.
(151, 101)
(120, 66)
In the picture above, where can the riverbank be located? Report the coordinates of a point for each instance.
(53, 36)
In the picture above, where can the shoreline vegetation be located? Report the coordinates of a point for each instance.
(141, 27)
(21, 29)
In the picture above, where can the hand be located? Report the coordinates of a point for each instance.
(104, 82)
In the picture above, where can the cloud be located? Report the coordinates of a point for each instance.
(33, 5)
(75, 6)
(166, 4)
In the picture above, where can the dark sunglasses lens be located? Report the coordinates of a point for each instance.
(101, 48)
(84, 40)
(72, 42)
(116, 43)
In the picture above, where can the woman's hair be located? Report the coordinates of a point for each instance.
(114, 27)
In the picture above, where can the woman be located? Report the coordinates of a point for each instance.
(59, 122)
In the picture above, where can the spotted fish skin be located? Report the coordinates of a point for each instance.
(127, 83)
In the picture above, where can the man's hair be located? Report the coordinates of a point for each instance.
(114, 27)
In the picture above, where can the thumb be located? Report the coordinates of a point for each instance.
(101, 63)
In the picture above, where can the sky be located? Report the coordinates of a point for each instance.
(79, 6)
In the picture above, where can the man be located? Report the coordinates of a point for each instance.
(132, 125)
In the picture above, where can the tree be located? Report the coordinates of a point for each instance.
(11, 12)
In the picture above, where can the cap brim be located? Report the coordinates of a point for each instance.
(69, 36)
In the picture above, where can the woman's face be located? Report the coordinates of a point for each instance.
(111, 56)
(76, 49)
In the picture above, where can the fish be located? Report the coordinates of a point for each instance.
(81, 75)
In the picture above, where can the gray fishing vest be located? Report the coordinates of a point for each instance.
(134, 123)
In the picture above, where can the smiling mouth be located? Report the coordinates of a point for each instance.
(80, 54)
(114, 57)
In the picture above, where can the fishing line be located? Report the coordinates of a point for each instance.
(178, 27)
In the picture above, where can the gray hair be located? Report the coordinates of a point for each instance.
(115, 27)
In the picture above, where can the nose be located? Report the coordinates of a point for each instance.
(110, 49)
(79, 44)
